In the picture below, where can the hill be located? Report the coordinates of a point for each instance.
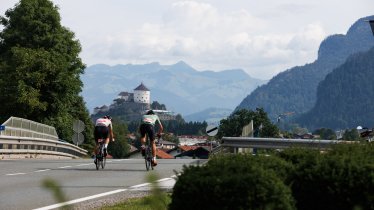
(345, 98)
(295, 90)
(210, 115)
(182, 88)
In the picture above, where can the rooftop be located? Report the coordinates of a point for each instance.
(142, 87)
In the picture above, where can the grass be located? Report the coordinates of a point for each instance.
(140, 204)
(158, 200)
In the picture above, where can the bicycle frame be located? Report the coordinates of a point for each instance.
(100, 158)
(148, 154)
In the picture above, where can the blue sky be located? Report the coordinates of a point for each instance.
(261, 37)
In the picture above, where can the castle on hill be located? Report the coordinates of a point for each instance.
(133, 105)
(140, 99)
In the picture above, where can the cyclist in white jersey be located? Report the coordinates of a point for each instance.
(103, 130)
(147, 128)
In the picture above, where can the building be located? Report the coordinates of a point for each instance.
(142, 94)
(139, 100)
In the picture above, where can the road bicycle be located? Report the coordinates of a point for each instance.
(100, 157)
(148, 153)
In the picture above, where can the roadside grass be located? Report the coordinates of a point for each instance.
(158, 200)
(140, 204)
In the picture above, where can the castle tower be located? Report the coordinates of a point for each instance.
(142, 94)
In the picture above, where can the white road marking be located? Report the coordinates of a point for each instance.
(86, 164)
(165, 179)
(42, 170)
(65, 167)
(15, 174)
(80, 200)
(97, 196)
(139, 185)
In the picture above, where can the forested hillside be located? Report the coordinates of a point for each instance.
(345, 98)
(295, 90)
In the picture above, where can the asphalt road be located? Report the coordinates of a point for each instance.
(21, 180)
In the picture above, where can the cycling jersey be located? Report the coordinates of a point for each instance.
(150, 119)
(103, 122)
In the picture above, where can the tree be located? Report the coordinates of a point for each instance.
(351, 135)
(119, 148)
(40, 68)
(325, 133)
(233, 125)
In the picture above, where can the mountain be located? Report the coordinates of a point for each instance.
(180, 87)
(210, 115)
(345, 98)
(295, 90)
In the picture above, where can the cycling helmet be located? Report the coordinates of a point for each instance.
(150, 112)
(107, 117)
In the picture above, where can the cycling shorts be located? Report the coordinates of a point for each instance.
(147, 129)
(101, 132)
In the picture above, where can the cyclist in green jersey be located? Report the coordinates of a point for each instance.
(147, 128)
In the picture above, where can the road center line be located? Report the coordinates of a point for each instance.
(15, 174)
(65, 167)
(42, 170)
(86, 164)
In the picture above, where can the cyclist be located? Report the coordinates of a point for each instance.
(103, 130)
(147, 128)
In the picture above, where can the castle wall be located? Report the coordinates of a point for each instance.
(142, 96)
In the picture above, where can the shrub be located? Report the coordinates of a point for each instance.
(342, 178)
(234, 182)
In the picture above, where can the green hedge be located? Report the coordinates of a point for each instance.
(342, 178)
(234, 182)
(339, 179)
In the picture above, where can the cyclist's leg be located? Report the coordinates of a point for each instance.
(105, 135)
(96, 137)
(152, 139)
(143, 131)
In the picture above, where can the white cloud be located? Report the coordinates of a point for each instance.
(262, 38)
(205, 37)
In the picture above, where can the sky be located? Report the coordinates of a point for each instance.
(261, 37)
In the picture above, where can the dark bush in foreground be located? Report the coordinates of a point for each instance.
(342, 178)
(234, 182)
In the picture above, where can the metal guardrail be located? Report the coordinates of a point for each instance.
(36, 146)
(277, 143)
(22, 136)
(16, 126)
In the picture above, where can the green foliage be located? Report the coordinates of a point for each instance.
(40, 68)
(325, 133)
(120, 147)
(351, 135)
(233, 125)
(233, 182)
(308, 179)
(158, 106)
(342, 178)
(158, 199)
(56, 190)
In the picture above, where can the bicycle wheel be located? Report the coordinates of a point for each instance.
(97, 162)
(147, 158)
(150, 157)
(103, 163)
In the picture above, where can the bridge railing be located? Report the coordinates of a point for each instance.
(11, 145)
(26, 137)
(277, 143)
